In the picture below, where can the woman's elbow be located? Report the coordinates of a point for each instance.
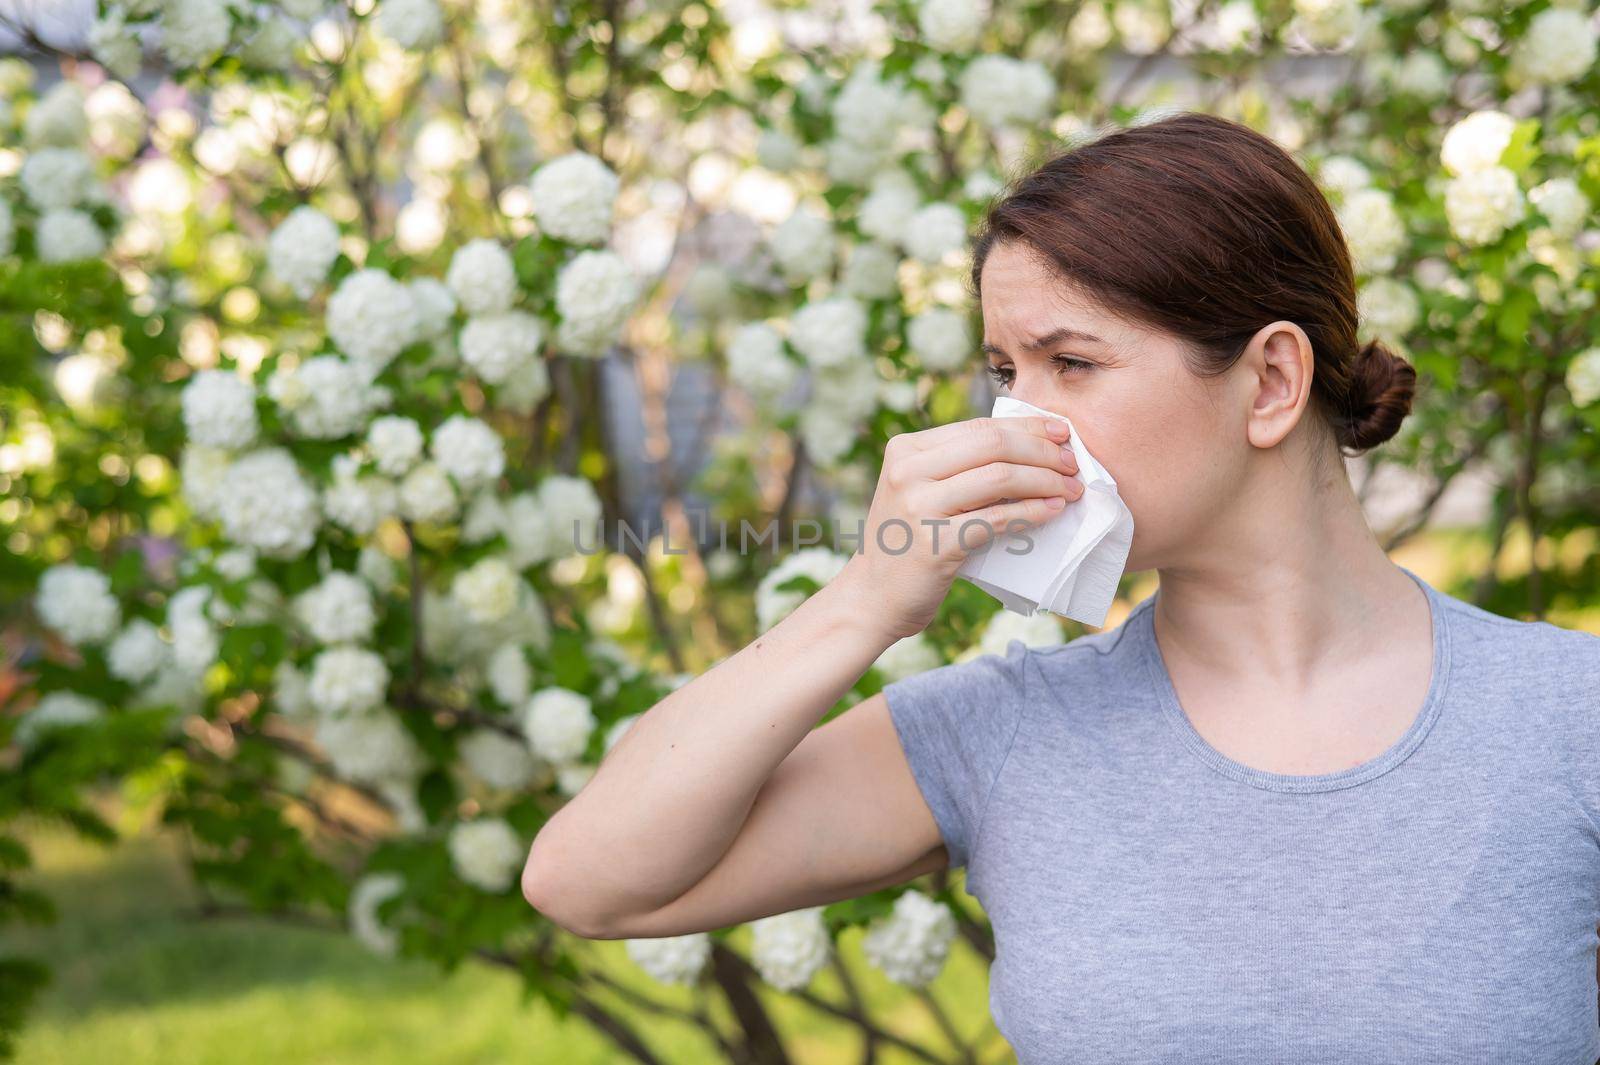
(558, 902)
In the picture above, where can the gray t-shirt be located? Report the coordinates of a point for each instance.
(1154, 900)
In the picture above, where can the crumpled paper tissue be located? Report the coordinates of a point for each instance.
(1075, 560)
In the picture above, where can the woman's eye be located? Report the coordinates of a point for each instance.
(1001, 374)
(1070, 364)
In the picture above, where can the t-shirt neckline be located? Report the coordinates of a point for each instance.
(1172, 710)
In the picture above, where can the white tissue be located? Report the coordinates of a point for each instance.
(1076, 559)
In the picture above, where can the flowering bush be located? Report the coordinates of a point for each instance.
(320, 316)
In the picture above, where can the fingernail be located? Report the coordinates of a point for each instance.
(1070, 455)
(1057, 430)
(1054, 503)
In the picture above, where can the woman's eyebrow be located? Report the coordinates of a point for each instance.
(1050, 339)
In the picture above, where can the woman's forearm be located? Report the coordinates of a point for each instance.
(669, 798)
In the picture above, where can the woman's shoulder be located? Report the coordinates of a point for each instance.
(1524, 651)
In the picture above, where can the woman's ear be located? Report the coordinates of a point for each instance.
(1281, 364)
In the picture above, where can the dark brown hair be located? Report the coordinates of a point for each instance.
(1206, 229)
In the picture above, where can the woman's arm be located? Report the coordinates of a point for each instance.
(723, 802)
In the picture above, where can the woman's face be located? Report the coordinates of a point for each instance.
(1174, 442)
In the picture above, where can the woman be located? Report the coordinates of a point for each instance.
(1298, 806)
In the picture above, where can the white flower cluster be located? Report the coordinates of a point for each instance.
(1557, 48)
(360, 502)
(482, 277)
(1482, 199)
(395, 444)
(941, 338)
(552, 521)
(347, 680)
(469, 451)
(870, 113)
(326, 397)
(672, 959)
(372, 747)
(830, 331)
(137, 653)
(935, 231)
(265, 503)
(302, 249)
(1563, 205)
(77, 603)
(774, 604)
(426, 495)
(501, 346)
(1583, 377)
(498, 760)
(371, 317)
(1002, 91)
(1326, 23)
(757, 363)
(803, 246)
(1372, 229)
(907, 656)
(558, 724)
(574, 196)
(872, 272)
(911, 945)
(193, 32)
(1388, 309)
(952, 25)
(59, 179)
(338, 609)
(486, 590)
(486, 853)
(219, 409)
(788, 949)
(595, 293)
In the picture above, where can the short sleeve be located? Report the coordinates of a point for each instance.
(956, 724)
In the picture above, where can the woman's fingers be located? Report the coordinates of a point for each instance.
(941, 435)
(976, 528)
(996, 481)
(983, 443)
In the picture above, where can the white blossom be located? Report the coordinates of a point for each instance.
(370, 892)
(1563, 205)
(271, 45)
(469, 451)
(482, 277)
(872, 272)
(498, 760)
(756, 361)
(1002, 91)
(338, 609)
(774, 604)
(803, 246)
(302, 249)
(395, 443)
(1583, 377)
(777, 150)
(356, 502)
(426, 495)
(1372, 229)
(508, 674)
(435, 306)
(941, 338)
(1483, 204)
(265, 503)
(137, 652)
(57, 118)
(291, 691)
(203, 471)
(935, 231)
(368, 747)
(347, 680)
(952, 25)
(907, 656)
(486, 590)
(114, 46)
(829, 332)
(325, 397)
(67, 235)
(193, 31)
(558, 723)
(219, 409)
(788, 949)
(486, 853)
(671, 959)
(496, 346)
(56, 710)
(1326, 23)
(77, 603)
(595, 293)
(888, 206)
(1342, 176)
(1034, 630)
(371, 317)
(573, 198)
(195, 641)
(1476, 142)
(1558, 47)
(1387, 308)
(911, 944)
(528, 384)
(553, 521)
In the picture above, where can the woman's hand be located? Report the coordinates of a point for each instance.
(944, 493)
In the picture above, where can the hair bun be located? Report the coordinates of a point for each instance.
(1382, 385)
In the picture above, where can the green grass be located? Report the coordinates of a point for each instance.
(137, 981)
